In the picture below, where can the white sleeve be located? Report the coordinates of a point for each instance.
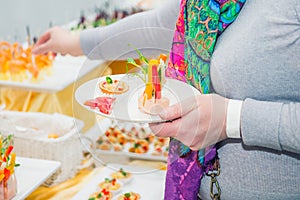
(233, 119)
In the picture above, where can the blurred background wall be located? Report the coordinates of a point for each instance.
(15, 15)
(38, 15)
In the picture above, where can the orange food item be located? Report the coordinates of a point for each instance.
(16, 63)
(53, 135)
(103, 194)
(103, 143)
(118, 147)
(164, 57)
(8, 185)
(157, 151)
(110, 184)
(130, 196)
(140, 147)
(121, 174)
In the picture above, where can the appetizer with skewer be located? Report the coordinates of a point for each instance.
(8, 185)
(152, 101)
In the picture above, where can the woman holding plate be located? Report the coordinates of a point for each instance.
(242, 140)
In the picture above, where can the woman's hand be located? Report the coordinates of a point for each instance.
(58, 40)
(197, 122)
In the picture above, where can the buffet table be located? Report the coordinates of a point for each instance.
(68, 189)
(36, 100)
(55, 95)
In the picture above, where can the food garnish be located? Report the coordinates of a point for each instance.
(123, 172)
(108, 80)
(110, 86)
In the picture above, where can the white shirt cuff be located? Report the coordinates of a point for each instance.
(233, 119)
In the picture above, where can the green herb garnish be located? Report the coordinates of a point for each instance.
(123, 172)
(99, 195)
(109, 80)
(127, 195)
(136, 145)
(143, 67)
(131, 61)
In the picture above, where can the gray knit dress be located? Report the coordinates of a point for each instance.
(256, 60)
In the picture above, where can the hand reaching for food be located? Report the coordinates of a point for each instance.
(58, 40)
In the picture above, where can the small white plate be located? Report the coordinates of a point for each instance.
(125, 107)
(31, 174)
(149, 183)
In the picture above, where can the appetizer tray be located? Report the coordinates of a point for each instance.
(107, 135)
(124, 106)
(65, 70)
(148, 183)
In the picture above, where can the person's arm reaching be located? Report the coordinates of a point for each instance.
(58, 40)
(151, 30)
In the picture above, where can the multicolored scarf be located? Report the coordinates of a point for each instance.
(199, 24)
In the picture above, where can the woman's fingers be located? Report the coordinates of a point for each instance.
(41, 49)
(184, 129)
(167, 129)
(180, 109)
(42, 45)
(43, 38)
